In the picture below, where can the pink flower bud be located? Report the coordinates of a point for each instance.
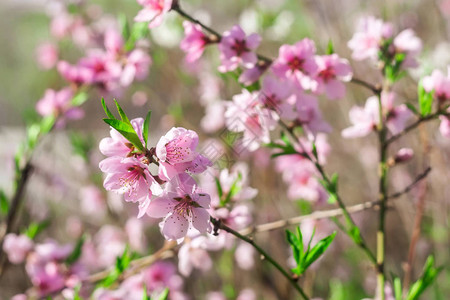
(403, 155)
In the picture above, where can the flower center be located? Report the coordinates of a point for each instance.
(185, 206)
(296, 63)
(177, 153)
(327, 74)
(240, 46)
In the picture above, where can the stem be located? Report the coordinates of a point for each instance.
(219, 225)
(383, 196)
(360, 242)
(374, 88)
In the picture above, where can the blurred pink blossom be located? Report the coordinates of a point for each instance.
(193, 254)
(367, 40)
(439, 83)
(17, 247)
(194, 41)
(47, 55)
(58, 103)
(408, 43)
(153, 11)
(236, 49)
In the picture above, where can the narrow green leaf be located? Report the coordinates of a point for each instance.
(318, 250)
(164, 295)
(146, 128)
(107, 111)
(413, 109)
(4, 203)
(219, 187)
(76, 253)
(330, 47)
(35, 228)
(127, 131)
(79, 99)
(429, 275)
(425, 100)
(310, 240)
(397, 288)
(122, 114)
(125, 29)
(47, 124)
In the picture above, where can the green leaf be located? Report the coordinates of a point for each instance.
(107, 111)
(318, 250)
(234, 189)
(47, 124)
(146, 128)
(146, 296)
(79, 99)
(33, 132)
(425, 100)
(35, 228)
(355, 234)
(219, 187)
(122, 263)
(4, 203)
(127, 131)
(125, 29)
(413, 109)
(296, 242)
(330, 47)
(76, 253)
(429, 275)
(397, 288)
(122, 114)
(164, 295)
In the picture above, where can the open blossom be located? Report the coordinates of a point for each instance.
(58, 103)
(245, 114)
(396, 116)
(332, 72)
(194, 41)
(439, 83)
(117, 145)
(47, 55)
(250, 76)
(183, 207)
(132, 178)
(309, 114)
(194, 254)
(364, 119)
(76, 74)
(177, 153)
(236, 49)
(408, 43)
(276, 96)
(368, 38)
(136, 67)
(47, 269)
(297, 63)
(153, 11)
(17, 247)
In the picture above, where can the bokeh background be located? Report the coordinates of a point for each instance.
(67, 160)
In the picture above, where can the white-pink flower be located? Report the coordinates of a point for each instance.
(332, 72)
(194, 254)
(132, 178)
(276, 95)
(246, 114)
(47, 55)
(236, 49)
(58, 103)
(408, 43)
(194, 41)
(183, 207)
(364, 119)
(153, 11)
(176, 152)
(17, 247)
(368, 38)
(297, 63)
(136, 67)
(309, 114)
(439, 83)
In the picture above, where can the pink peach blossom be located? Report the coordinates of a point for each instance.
(439, 83)
(236, 49)
(153, 11)
(194, 41)
(297, 64)
(131, 177)
(183, 207)
(193, 254)
(408, 43)
(47, 56)
(367, 40)
(332, 72)
(58, 103)
(17, 247)
(176, 152)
